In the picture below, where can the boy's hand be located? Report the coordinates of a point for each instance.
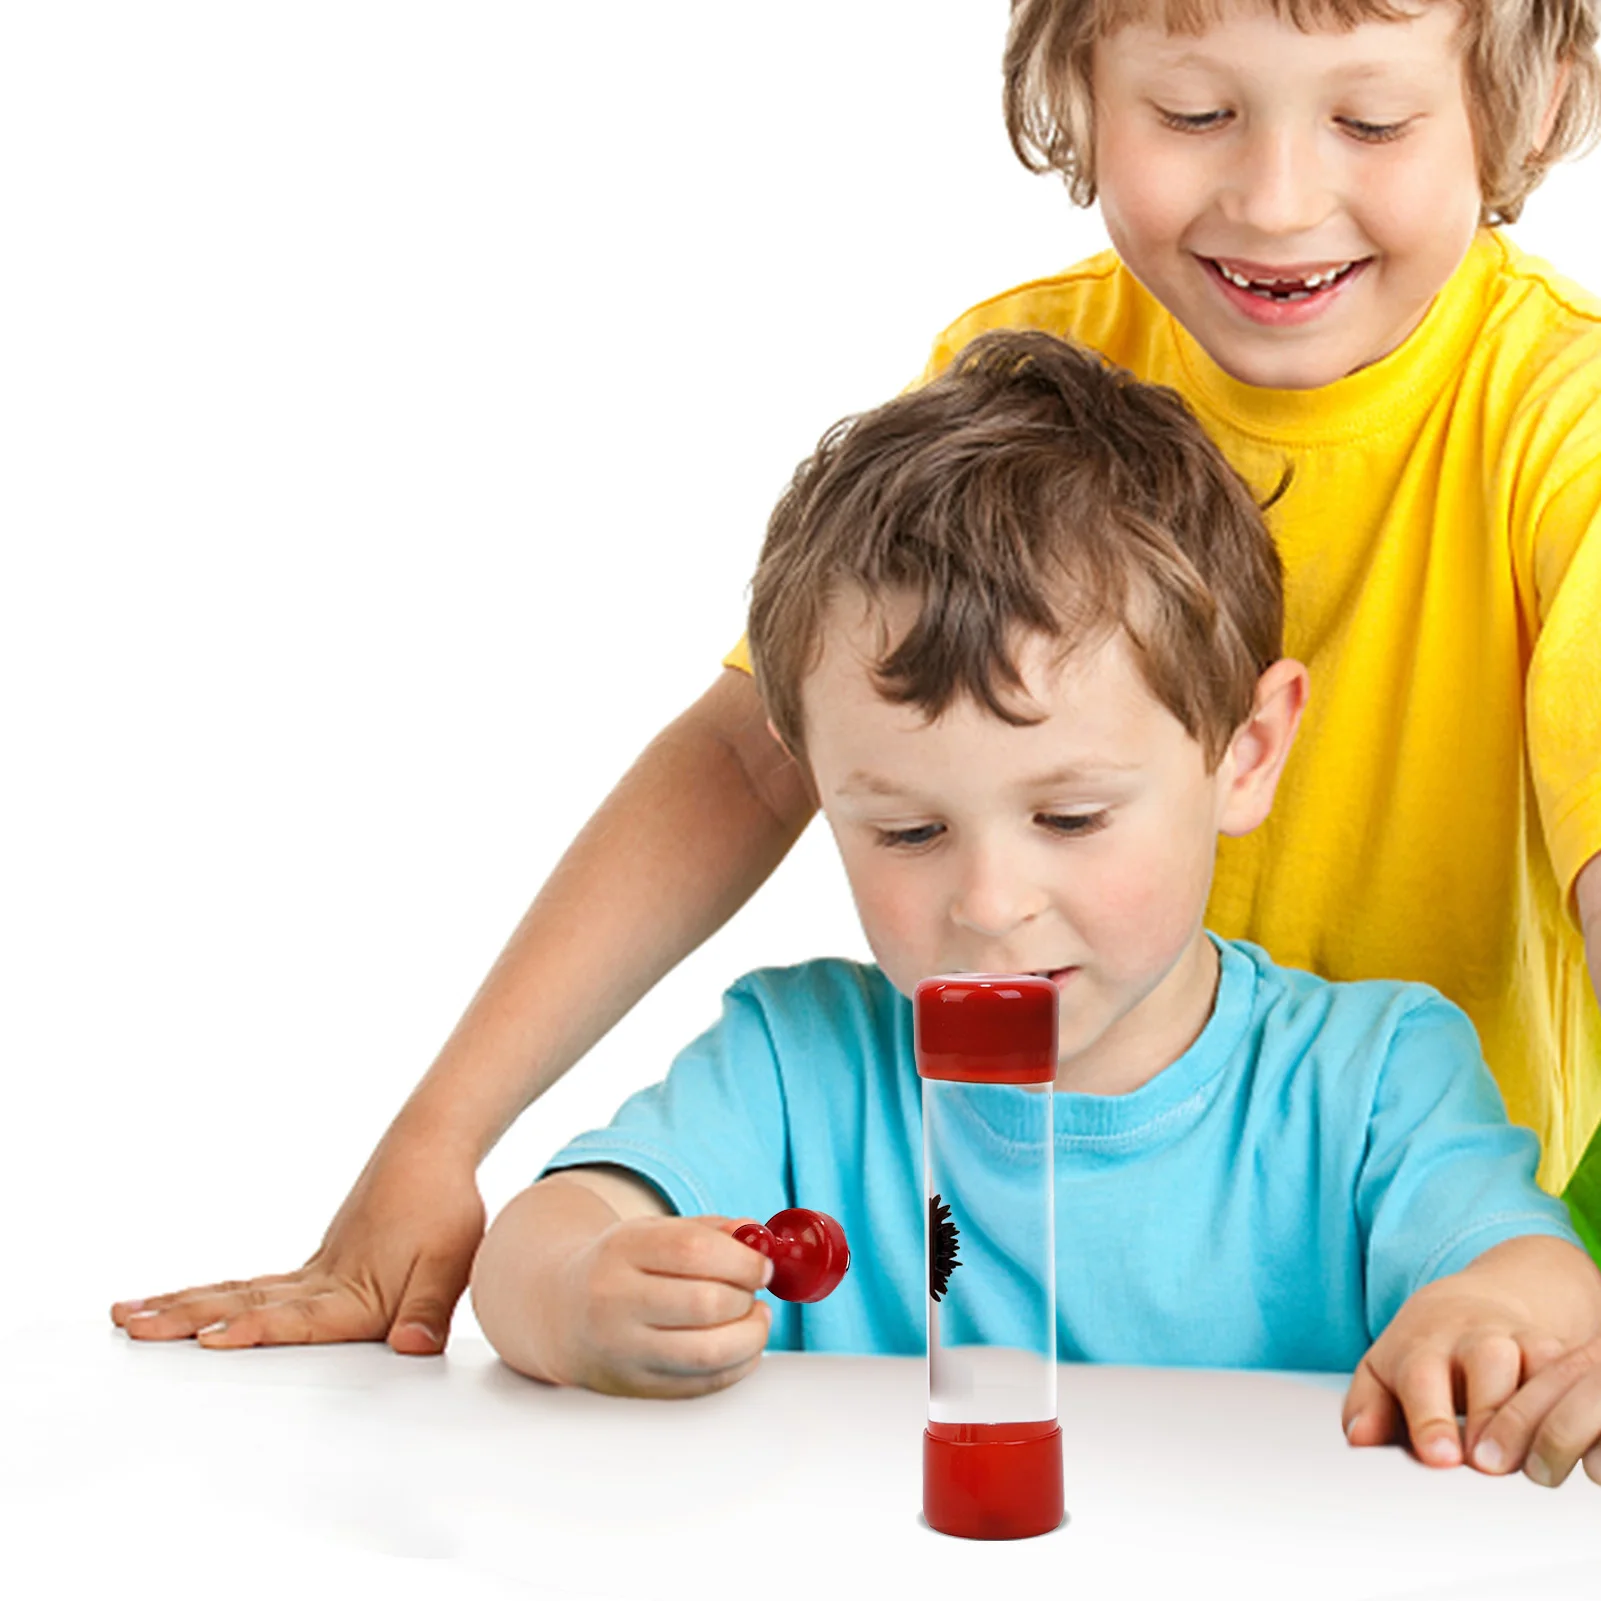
(1471, 1343)
(392, 1266)
(665, 1307)
(1553, 1421)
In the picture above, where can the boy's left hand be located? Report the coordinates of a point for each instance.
(1489, 1343)
(1553, 1422)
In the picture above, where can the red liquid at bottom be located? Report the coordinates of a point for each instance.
(993, 1481)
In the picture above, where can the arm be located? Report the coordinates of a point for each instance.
(1474, 1280)
(585, 1278)
(692, 831)
(1554, 1418)
(699, 821)
(1587, 898)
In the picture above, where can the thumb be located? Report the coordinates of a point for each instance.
(1370, 1415)
(422, 1325)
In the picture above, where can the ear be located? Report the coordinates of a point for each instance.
(1559, 88)
(1249, 772)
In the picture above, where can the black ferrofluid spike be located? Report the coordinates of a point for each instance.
(943, 1239)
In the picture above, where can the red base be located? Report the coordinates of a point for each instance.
(992, 1481)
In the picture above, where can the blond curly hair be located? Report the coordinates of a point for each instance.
(1517, 54)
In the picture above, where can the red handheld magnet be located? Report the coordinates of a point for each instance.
(808, 1252)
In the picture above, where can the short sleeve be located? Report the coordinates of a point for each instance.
(1444, 1176)
(711, 1137)
(1563, 690)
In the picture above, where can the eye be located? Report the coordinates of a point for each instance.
(1071, 823)
(1373, 133)
(910, 838)
(1193, 121)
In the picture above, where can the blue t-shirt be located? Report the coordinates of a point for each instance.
(1268, 1200)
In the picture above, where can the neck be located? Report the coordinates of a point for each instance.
(1156, 1033)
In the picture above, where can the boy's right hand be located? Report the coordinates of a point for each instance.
(663, 1307)
(392, 1266)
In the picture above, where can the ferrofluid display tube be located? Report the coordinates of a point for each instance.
(992, 1451)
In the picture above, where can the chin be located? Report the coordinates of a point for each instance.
(1284, 369)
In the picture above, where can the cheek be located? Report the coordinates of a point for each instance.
(1141, 194)
(897, 909)
(1427, 210)
(1147, 904)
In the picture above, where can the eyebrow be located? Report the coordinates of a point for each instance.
(861, 782)
(1355, 71)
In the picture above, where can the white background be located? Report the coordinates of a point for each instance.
(391, 401)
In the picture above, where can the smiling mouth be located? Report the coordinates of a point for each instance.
(1286, 285)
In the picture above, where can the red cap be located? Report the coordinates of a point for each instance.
(986, 1028)
(993, 1481)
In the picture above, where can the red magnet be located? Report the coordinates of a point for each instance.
(808, 1252)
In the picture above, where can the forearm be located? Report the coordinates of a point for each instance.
(698, 823)
(1587, 898)
(519, 1297)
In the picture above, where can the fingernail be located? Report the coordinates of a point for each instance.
(135, 1317)
(767, 1271)
(128, 1308)
(1440, 1450)
(212, 1328)
(1350, 1428)
(431, 1335)
(1490, 1456)
(1538, 1469)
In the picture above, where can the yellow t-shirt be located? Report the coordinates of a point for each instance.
(1441, 538)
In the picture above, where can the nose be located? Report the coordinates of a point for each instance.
(1280, 185)
(995, 895)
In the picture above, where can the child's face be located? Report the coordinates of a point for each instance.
(1256, 151)
(1079, 847)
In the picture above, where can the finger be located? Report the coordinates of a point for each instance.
(1571, 1429)
(196, 1311)
(727, 1225)
(1539, 1352)
(422, 1325)
(121, 1311)
(1424, 1389)
(1370, 1415)
(729, 1376)
(663, 1387)
(685, 1248)
(679, 1303)
(1592, 1463)
(705, 1353)
(1509, 1435)
(335, 1314)
(1492, 1370)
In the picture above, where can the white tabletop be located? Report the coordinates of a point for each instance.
(168, 1470)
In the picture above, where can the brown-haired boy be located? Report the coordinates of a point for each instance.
(1022, 628)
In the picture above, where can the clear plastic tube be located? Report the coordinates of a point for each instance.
(991, 1253)
(992, 1450)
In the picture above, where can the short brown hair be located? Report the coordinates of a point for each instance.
(1031, 488)
(1514, 51)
